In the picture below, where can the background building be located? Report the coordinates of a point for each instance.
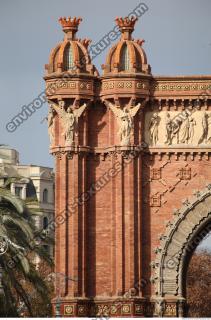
(33, 184)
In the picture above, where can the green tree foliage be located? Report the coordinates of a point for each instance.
(199, 285)
(20, 277)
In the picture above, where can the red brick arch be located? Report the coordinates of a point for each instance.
(192, 223)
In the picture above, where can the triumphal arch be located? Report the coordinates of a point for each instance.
(133, 180)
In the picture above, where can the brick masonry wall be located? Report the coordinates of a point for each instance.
(173, 190)
(109, 242)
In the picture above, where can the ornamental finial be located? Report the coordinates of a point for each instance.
(126, 26)
(70, 25)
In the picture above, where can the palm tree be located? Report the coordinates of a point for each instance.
(19, 242)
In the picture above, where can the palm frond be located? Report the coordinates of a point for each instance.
(21, 223)
(17, 203)
(18, 229)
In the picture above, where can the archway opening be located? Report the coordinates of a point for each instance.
(198, 279)
(191, 225)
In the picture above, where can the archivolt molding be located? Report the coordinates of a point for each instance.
(178, 241)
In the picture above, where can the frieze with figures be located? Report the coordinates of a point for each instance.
(173, 128)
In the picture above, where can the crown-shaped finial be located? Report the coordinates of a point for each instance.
(70, 25)
(126, 26)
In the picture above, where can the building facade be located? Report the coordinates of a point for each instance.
(132, 177)
(33, 184)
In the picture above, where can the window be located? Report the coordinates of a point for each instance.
(45, 223)
(18, 191)
(69, 63)
(45, 195)
(125, 59)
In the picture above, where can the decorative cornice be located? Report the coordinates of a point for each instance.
(178, 154)
(123, 151)
(131, 84)
(182, 85)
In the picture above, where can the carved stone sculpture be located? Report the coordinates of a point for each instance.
(153, 128)
(204, 124)
(69, 120)
(51, 126)
(184, 129)
(125, 118)
(208, 140)
(192, 124)
(169, 129)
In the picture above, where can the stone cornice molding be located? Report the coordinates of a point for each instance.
(124, 151)
(189, 88)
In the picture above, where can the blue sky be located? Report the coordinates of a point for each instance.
(205, 244)
(177, 35)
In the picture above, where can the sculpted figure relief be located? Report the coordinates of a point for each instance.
(181, 128)
(168, 129)
(204, 124)
(125, 118)
(184, 129)
(191, 129)
(153, 128)
(175, 131)
(208, 138)
(69, 120)
(51, 121)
